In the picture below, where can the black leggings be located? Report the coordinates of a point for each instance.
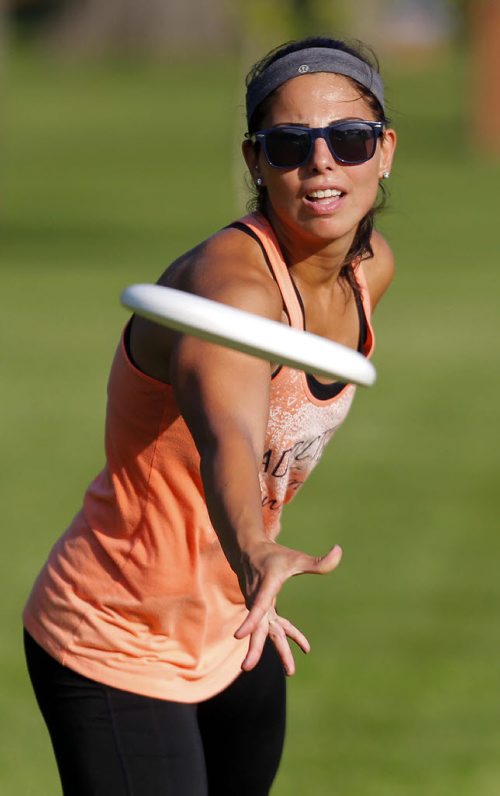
(109, 742)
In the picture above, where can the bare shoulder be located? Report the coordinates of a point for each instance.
(379, 269)
(229, 267)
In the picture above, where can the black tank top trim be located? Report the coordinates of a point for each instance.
(321, 391)
(325, 391)
(251, 233)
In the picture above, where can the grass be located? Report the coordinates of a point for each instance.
(105, 179)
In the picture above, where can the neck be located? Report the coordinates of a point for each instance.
(313, 260)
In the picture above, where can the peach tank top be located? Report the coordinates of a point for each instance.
(137, 593)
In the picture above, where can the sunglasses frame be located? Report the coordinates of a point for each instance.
(318, 132)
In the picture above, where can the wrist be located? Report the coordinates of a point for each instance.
(245, 546)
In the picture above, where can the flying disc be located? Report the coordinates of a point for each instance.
(249, 333)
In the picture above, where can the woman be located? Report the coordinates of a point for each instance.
(153, 641)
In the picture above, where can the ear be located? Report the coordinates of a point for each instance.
(251, 158)
(387, 150)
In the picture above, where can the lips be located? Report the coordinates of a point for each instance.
(325, 200)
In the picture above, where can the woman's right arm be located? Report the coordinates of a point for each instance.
(223, 396)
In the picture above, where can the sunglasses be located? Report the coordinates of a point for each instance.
(290, 146)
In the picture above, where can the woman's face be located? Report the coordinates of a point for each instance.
(317, 100)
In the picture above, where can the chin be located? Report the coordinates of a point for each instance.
(327, 228)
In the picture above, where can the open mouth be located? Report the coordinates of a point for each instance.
(328, 193)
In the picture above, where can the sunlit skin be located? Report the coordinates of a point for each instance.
(322, 240)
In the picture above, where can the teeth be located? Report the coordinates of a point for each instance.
(324, 194)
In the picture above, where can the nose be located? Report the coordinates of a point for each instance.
(321, 158)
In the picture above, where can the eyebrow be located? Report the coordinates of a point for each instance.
(334, 121)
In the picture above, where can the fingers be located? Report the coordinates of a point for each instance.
(295, 634)
(279, 630)
(263, 602)
(278, 637)
(251, 623)
(255, 647)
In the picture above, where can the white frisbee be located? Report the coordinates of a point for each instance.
(247, 332)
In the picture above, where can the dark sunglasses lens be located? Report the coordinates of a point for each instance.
(287, 148)
(353, 143)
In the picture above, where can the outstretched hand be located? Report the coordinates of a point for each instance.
(263, 573)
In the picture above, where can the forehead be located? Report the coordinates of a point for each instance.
(317, 99)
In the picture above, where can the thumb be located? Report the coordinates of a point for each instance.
(321, 565)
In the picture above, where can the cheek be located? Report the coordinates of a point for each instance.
(282, 187)
(372, 191)
(366, 181)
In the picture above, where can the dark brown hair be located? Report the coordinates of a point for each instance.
(361, 248)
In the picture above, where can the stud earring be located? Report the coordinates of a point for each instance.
(386, 175)
(259, 182)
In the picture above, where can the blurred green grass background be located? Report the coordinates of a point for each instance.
(108, 173)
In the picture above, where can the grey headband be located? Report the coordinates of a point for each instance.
(314, 59)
